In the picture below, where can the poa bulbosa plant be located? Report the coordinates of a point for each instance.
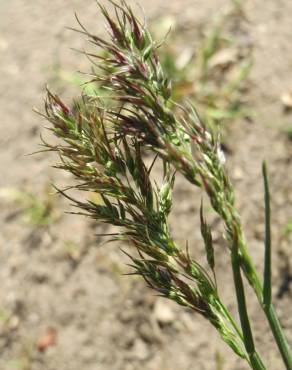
(102, 141)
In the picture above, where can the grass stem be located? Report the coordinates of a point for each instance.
(267, 270)
(279, 336)
(254, 358)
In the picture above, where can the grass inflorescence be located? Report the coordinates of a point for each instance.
(102, 141)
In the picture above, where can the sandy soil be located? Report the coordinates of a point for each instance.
(60, 278)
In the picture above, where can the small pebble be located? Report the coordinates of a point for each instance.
(163, 312)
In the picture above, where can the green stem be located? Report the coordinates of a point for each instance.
(256, 362)
(283, 346)
(264, 293)
(279, 336)
(267, 292)
(254, 358)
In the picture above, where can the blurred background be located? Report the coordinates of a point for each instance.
(64, 301)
